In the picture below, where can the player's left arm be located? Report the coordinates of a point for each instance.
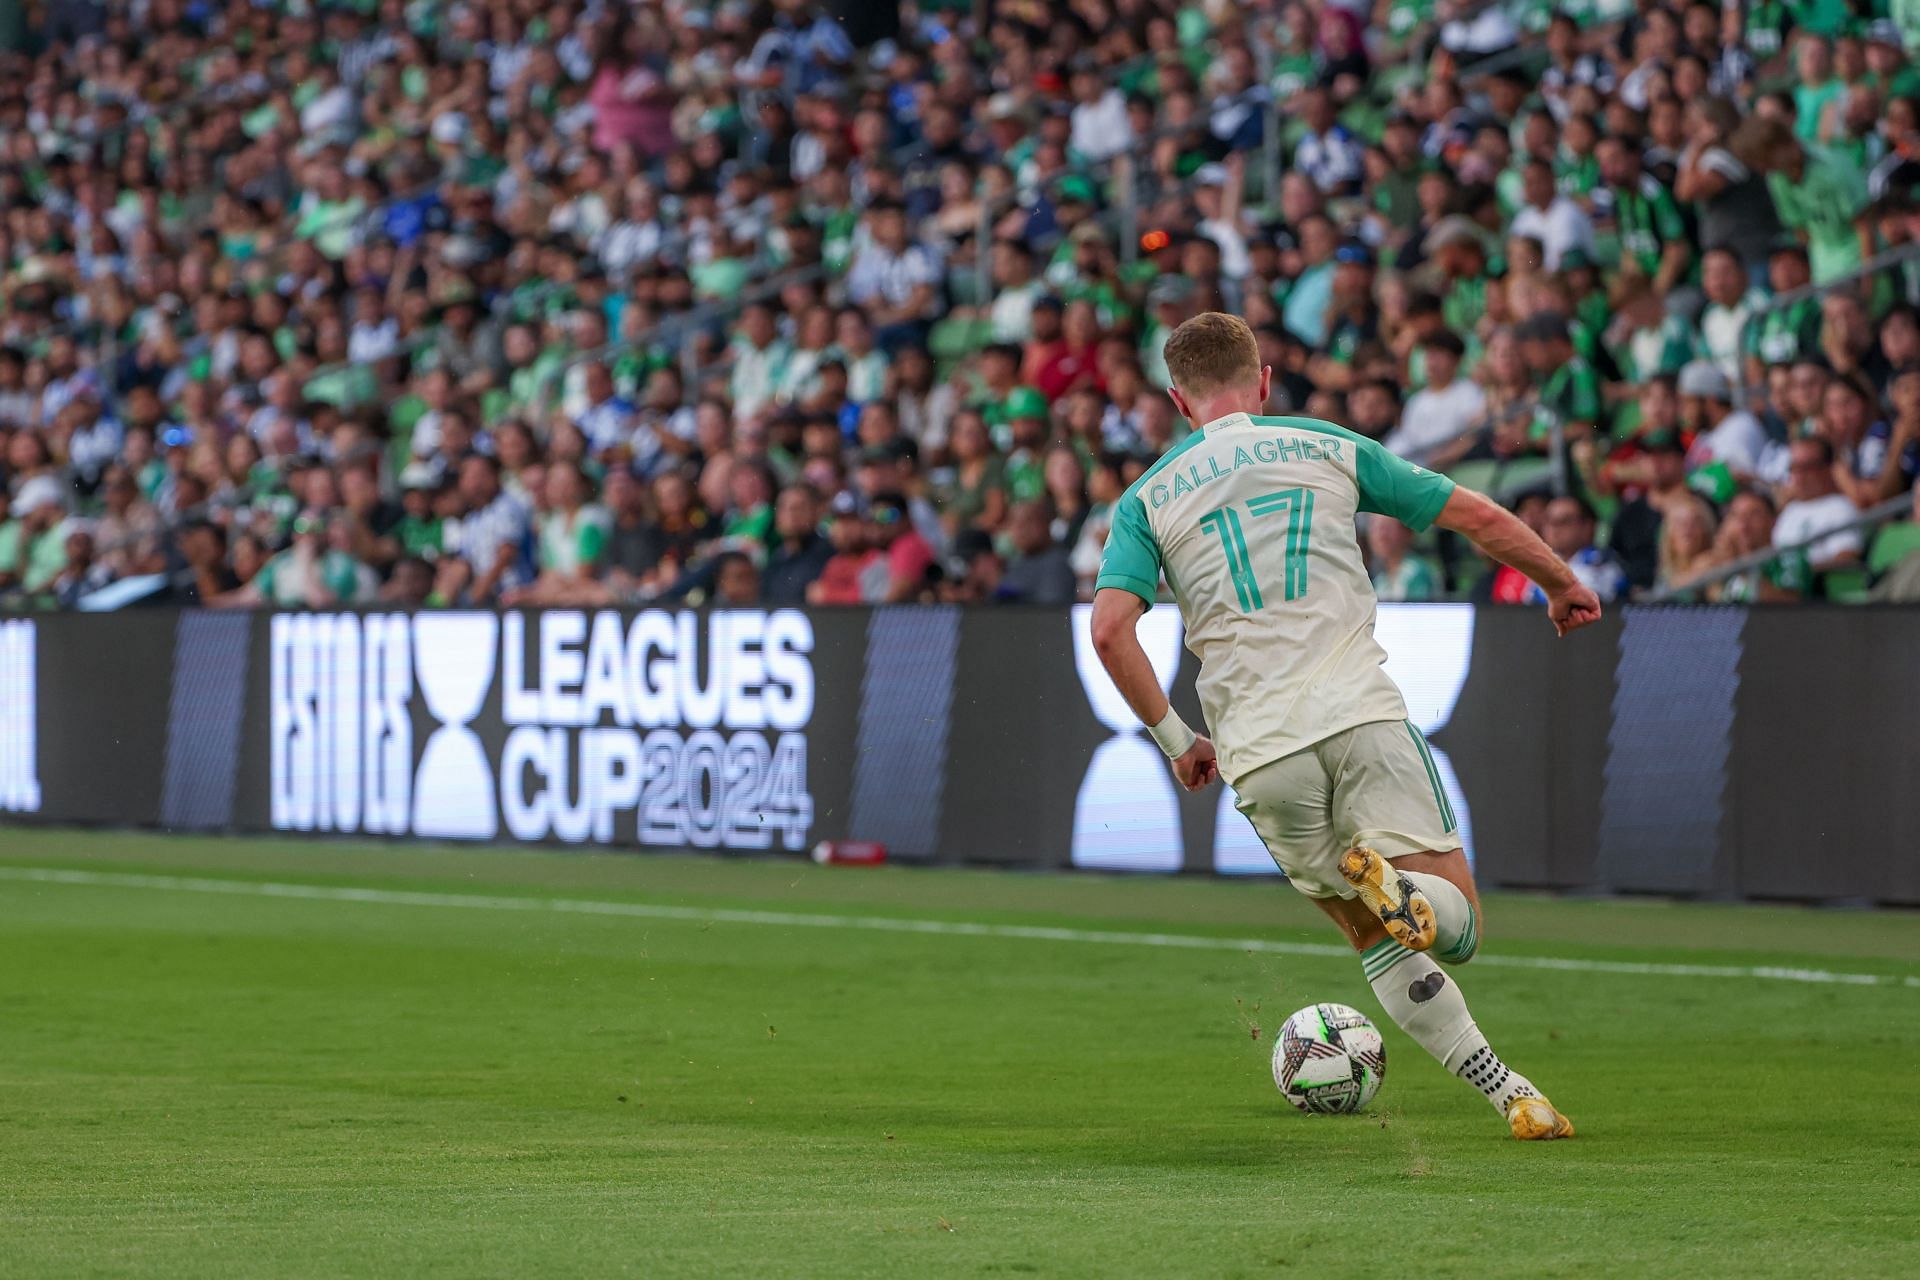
(1116, 611)
(1504, 536)
(1419, 499)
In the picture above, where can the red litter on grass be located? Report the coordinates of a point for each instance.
(850, 853)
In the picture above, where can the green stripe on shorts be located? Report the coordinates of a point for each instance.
(1433, 779)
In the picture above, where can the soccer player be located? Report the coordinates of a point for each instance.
(1252, 521)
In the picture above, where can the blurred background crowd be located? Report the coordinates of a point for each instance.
(569, 301)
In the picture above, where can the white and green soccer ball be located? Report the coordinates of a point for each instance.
(1329, 1059)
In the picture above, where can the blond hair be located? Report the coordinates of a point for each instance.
(1212, 352)
(1676, 564)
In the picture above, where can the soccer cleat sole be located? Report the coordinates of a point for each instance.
(1536, 1120)
(1402, 908)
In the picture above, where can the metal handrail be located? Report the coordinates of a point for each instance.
(1872, 517)
(426, 337)
(679, 328)
(1873, 266)
(683, 326)
(906, 155)
(1124, 212)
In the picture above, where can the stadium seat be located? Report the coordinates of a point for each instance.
(1894, 543)
(1846, 586)
(1521, 474)
(1479, 475)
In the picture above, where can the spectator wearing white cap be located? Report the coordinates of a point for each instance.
(38, 545)
(1721, 432)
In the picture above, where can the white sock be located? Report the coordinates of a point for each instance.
(1427, 1005)
(1458, 923)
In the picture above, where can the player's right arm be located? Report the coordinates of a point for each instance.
(1129, 579)
(1502, 535)
(1116, 610)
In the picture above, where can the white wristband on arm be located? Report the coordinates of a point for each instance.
(1173, 735)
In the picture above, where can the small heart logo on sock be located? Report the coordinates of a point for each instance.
(1421, 990)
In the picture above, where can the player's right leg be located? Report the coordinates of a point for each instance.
(1426, 1004)
(1359, 778)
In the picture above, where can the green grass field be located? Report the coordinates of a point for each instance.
(437, 1062)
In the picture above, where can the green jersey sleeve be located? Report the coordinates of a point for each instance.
(1667, 223)
(1392, 486)
(593, 542)
(1583, 394)
(1131, 561)
(264, 580)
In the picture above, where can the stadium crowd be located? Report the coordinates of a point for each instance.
(518, 301)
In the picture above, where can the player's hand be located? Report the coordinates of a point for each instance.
(1199, 766)
(1573, 609)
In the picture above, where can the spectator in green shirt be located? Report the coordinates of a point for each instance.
(1783, 332)
(1456, 246)
(33, 547)
(1652, 235)
(1818, 192)
(328, 212)
(315, 572)
(420, 529)
(1569, 395)
(1398, 574)
(573, 532)
(12, 537)
(749, 516)
(1577, 169)
(1816, 87)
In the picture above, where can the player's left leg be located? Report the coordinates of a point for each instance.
(1403, 853)
(1443, 876)
(1398, 885)
(1405, 857)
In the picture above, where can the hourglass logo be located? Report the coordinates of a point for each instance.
(1127, 815)
(453, 662)
(19, 705)
(1429, 653)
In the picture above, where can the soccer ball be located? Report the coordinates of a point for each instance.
(1329, 1059)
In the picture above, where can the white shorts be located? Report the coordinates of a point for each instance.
(1373, 784)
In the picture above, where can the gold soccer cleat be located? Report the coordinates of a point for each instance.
(1533, 1119)
(1391, 896)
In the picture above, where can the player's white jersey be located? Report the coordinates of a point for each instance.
(1252, 520)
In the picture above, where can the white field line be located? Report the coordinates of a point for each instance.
(890, 924)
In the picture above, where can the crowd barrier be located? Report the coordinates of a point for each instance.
(1761, 753)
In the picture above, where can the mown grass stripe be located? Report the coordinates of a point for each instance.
(895, 924)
